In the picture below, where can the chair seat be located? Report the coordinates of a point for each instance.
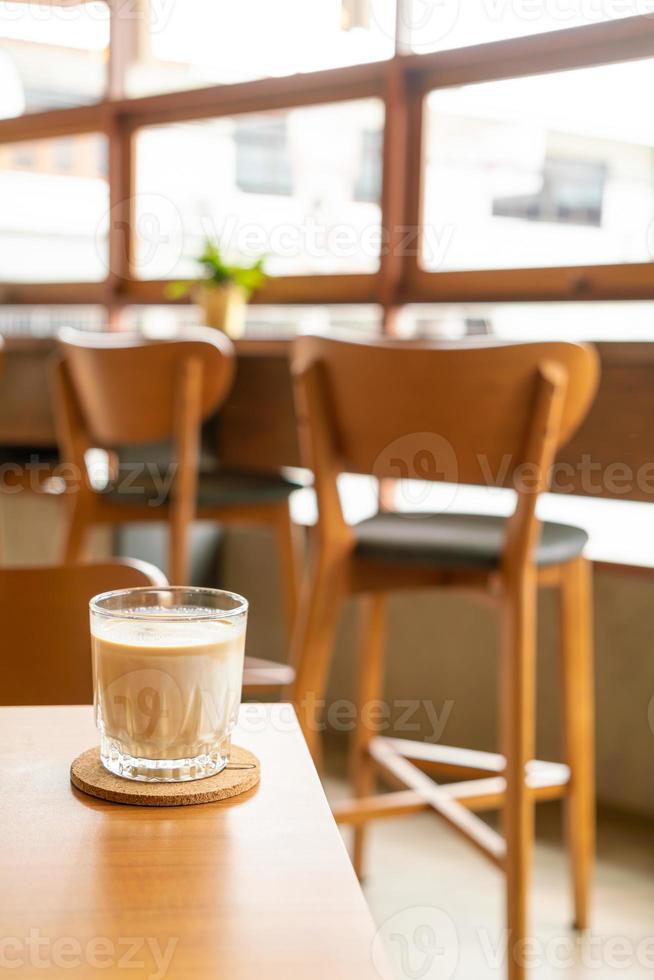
(215, 489)
(456, 540)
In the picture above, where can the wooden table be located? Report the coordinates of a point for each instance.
(258, 888)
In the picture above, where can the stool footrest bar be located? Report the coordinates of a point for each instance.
(487, 840)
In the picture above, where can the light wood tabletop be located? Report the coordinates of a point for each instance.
(258, 887)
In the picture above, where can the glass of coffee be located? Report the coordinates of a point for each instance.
(167, 678)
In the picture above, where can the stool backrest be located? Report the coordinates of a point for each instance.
(488, 415)
(392, 406)
(46, 645)
(126, 386)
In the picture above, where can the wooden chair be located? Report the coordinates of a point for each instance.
(115, 391)
(45, 619)
(45, 622)
(380, 408)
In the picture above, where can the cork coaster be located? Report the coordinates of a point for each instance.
(89, 775)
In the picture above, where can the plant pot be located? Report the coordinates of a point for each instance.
(224, 307)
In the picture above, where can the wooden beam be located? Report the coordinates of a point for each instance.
(483, 795)
(121, 218)
(474, 794)
(630, 281)
(55, 123)
(261, 95)
(485, 839)
(450, 760)
(626, 39)
(126, 22)
(383, 806)
(361, 288)
(394, 193)
(52, 293)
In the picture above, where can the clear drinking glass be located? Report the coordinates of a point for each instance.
(167, 678)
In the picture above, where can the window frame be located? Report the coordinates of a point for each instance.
(403, 83)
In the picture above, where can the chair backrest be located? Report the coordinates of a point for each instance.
(44, 618)
(126, 386)
(458, 413)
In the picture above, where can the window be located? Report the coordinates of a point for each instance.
(369, 179)
(263, 163)
(571, 192)
(203, 42)
(25, 156)
(553, 172)
(63, 153)
(52, 56)
(53, 226)
(281, 185)
(546, 170)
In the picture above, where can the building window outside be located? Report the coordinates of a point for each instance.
(25, 156)
(572, 193)
(369, 179)
(63, 155)
(263, 163)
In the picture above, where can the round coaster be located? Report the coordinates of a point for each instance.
(89, 775)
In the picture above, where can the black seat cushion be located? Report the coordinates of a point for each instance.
(220, 488)
(456, 540)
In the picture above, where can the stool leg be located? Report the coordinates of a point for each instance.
(288, 563)
(178, 548)
(313, 638)
(77, 526)
(518, 703)
(576, 617)
(186, 418)
(369, 689)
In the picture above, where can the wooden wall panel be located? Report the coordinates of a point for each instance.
(612, 454)
(256, 429)
(26, 419)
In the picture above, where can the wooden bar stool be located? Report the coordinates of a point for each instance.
(115, 391)
(454, 414)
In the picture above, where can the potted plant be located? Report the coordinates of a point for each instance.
(223, 290)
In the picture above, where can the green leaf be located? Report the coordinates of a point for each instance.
(217, 272)
(175, 290)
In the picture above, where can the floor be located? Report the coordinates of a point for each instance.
(438, 903)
